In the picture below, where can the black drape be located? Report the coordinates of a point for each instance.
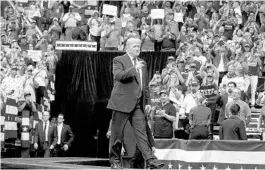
(84, 81)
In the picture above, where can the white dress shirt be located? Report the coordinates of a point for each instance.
(140, 71)
(188, 103)
(59, 129)
(46, 131)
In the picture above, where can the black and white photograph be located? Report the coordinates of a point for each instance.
(132, 84)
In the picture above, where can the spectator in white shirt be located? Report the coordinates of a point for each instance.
(70, 20)
(10, 85)
(40, 81)
(94, 31)
(28, 84)
(188, 103)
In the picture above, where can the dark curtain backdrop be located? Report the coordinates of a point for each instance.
(84, 81)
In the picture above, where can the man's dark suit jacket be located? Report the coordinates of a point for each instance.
(39, 136)
(233, 128)
(67, 136)
(222, 101)
(126, 85)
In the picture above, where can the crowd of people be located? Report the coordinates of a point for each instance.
(219, 45)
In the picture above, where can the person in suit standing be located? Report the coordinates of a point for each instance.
(45, 137)
(233, 128)
(65, 137)
(129, 98)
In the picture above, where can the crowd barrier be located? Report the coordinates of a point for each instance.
(206, 154)
(201, 154)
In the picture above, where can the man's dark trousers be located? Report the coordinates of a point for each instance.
(138, 122)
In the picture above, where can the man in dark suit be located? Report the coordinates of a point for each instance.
(45, 137)
(128, 99)
(233, 128)
(65, 137)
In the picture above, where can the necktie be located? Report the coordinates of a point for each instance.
(134, 62)
(138, 75)
(138, 78)
(45, 127)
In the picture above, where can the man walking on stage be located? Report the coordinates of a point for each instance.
(129, 97)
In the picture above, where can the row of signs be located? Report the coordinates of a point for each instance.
(112, 10)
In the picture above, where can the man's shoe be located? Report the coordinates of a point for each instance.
(116, 165)
(154, 164)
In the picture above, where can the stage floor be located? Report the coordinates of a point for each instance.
(55, 163)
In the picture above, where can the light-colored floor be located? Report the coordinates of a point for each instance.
(50, 163)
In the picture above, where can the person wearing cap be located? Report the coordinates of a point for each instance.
(230, 76)
(199, 120)
(201, 19)
(78, 33)
(254, 67)
(173, 25)
(166, 70)
(129, 98)
(210, 90)
(220, 55)
(168, 40)
(57, 9)
(94, 31)
(164, 117)
(55, 30)
(173, 77)
(10, 85)
(192, 73)
(70, 19)
(209, 68)
(28, 84)
(188, 103)
(113, 40)
(26, 105)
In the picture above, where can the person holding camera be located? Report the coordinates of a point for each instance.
(70, 19)
(170, 61)
(26, 105)
(220, 55)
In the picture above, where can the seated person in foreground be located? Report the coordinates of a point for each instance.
(233, 128)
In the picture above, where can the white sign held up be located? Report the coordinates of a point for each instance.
(35, 55)
(109, 10)
(157, 13)
(22, 1)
